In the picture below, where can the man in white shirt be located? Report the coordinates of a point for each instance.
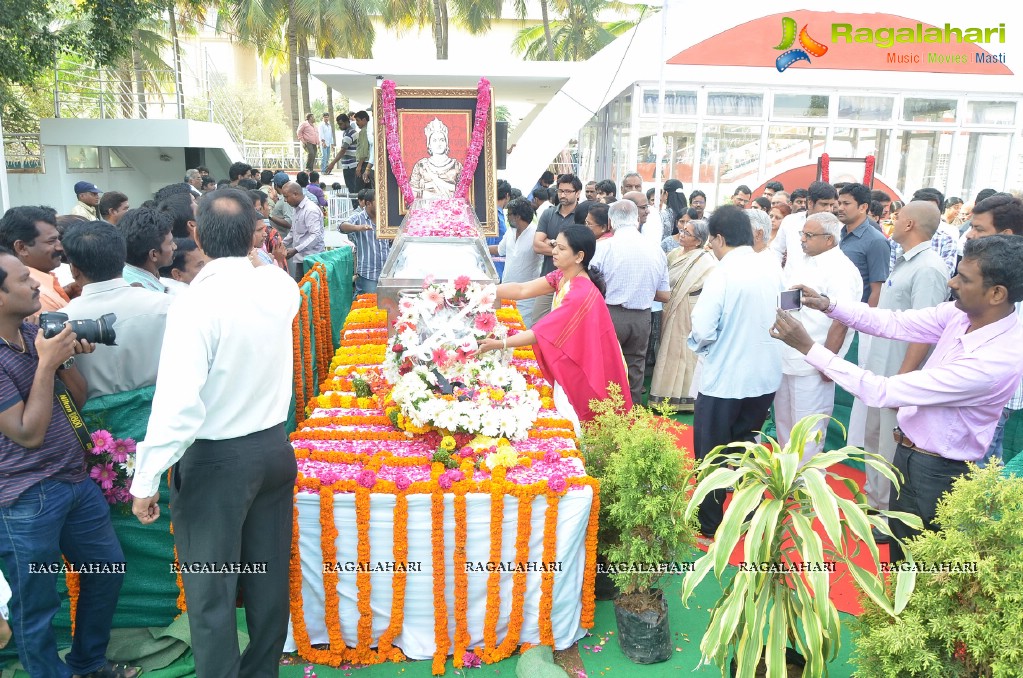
(222, 396)
(96, 253)
(636, 273)
(522, 264)
(821, 197)
(742, 365)
(803, 389)
(326, 131)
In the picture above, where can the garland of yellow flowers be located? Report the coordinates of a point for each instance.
(388, 458)
(590, 568)
(523, 530)
(494, 578)
(362, 578)
(296, 357)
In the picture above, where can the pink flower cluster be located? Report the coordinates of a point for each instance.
(107, 464)
(390, 118)
(479, 127)
(445, 218)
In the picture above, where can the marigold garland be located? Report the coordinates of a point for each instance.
(461, 577)
(550, 544)
(328, 552)
(73, 580)
(361, 351)
(440, 603)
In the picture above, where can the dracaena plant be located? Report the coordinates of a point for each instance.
(781, 595)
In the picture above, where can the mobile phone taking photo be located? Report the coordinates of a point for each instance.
(790, 300)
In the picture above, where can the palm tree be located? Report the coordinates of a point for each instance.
(475, 16)
(577, 34)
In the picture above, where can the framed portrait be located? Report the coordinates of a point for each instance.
(434, 129)
(849, 170)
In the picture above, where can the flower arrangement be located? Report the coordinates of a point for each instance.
(343, 448)
(439, 380)
(111, 463)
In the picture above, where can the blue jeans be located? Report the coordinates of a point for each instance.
(49, 519)
(325, 159)
(365, 285)
(994, 450)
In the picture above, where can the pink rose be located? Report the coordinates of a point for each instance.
(556, 485)
(403, 482)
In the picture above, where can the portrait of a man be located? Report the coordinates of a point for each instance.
(436, 175)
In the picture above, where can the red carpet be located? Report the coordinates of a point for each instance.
(843, 587)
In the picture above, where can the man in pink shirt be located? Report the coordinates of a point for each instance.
(948, 410)
(310, 139)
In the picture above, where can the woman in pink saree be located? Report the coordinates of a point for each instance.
(575, 344)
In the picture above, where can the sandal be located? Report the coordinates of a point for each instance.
(112, 670)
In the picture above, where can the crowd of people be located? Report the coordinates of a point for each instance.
(677, 302)
(930, 287)
(223, 263)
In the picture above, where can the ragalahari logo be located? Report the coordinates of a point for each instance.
(788, 38)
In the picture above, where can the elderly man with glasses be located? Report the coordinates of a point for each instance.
(822, 265)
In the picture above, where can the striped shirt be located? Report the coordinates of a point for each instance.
(634, 269)
(61, 456)
(370, 251)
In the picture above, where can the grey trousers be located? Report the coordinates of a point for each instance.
(232, 507)
(633, 330)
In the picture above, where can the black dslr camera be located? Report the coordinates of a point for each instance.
(99, 331)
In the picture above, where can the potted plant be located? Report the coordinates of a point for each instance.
(965, 616)
(779, 599)
(644, 485)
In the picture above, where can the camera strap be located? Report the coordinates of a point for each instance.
(74, 417)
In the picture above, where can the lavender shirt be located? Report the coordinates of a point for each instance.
(951, 405)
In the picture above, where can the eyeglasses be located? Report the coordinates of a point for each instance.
(811, 236)
(566, 191)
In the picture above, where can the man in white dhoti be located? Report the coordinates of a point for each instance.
(823, 265)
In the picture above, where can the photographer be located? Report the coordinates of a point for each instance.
(96, 253)
(48, 504)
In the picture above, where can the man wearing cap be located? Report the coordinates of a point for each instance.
(88, 198)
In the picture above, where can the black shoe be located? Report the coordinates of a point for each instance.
(879, 536)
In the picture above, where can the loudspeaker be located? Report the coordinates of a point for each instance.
(501, 143)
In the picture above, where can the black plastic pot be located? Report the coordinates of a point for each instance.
(793, 660)
(645, 637)
(604, 587)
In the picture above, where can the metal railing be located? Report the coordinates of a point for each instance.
(274, 155)
(23, 153)
(85, 92)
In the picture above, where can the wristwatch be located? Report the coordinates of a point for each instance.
(67, 363)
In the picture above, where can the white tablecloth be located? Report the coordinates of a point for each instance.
(416, 639)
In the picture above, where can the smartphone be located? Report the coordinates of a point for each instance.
(790, 300)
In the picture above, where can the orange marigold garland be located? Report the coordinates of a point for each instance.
(363, 581)
(399, 581)
(73, 580)
(523, 530)
(494, 578)
(328, 552)
(461, 577)
(590, 566)
(550, 543)
(296, 361)
(440, 604)
(298, 627)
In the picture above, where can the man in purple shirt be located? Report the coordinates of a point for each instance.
(306, 236)
(49, 505)
(948, 410)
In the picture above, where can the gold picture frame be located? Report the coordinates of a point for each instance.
(453, 107)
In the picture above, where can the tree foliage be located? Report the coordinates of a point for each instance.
(577, 33)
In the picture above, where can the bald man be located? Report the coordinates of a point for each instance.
(919, 279)
(306, 236)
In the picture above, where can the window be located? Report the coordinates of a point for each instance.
(924, 159)
(865, 108)
(854, 142)
(929, 110)
(991, 112)
(987, 160)
(790, 146)
(676, 102)
(730, 156)
(800, 106)
(116, 161)
(83, 157)
(744, 105)
(679, 151)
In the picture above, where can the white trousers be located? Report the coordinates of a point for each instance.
(797, 397)
(878, 439)
(565, 409)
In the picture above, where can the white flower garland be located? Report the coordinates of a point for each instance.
(438, 378)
